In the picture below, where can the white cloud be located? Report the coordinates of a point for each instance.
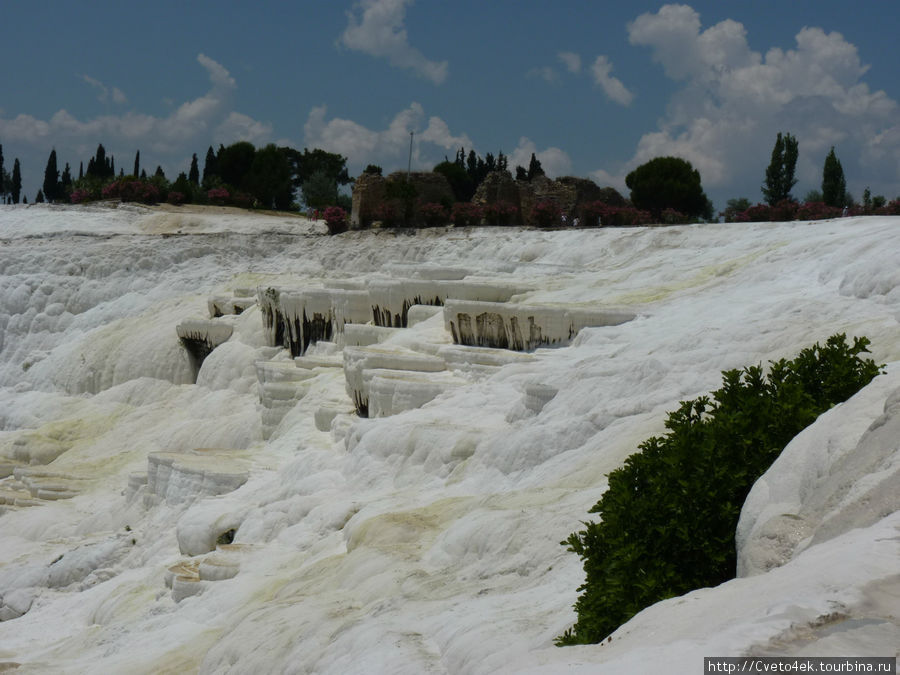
(380, 32)
(106, 93)
(554, 161)
(734, 100)
(388, 147)
(240, 127)
(571, 60)
(612, 86)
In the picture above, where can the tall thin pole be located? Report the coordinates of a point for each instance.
(409, 165)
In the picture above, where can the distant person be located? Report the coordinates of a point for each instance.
(845, 212)
(564, 220)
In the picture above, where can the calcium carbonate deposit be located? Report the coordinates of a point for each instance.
(230, 443)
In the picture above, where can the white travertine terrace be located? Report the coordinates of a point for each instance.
(281, 385)
(392, 298)
(357, 360)
(201, 336)
(179, 477)
(522, 327)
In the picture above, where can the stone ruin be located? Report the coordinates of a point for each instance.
(370, 191)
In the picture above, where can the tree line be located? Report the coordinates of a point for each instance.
(832, 200)
(239, 174)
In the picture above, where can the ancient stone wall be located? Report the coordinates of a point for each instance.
(368, 194)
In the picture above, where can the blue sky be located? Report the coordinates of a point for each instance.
(594, 88)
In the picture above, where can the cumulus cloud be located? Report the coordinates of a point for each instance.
(733, 100)
(571, 60)
(198, 123)
(380, 32)
(389, 146)
(612, 86)
(554, 161)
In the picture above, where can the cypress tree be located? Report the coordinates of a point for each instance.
(780, 172)
(39, 197)
(534, 167)
(16, 187)
(211, 167)
(80, 170)
(194, 174)
(834, 186)
(51, 178)
(137, 163)
(65, 183)
(1, 171)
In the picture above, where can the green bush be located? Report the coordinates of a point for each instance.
(670, 512)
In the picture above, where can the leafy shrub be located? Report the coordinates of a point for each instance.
(670, 512)
(546, 214)
(433, 214)
(176, 198)
(500, 213)
(673, 217)
(465, 214)
(336, 219)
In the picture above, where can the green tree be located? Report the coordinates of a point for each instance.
(2, 182)
(834, 187)
(99, 166)
(137, 164)
(780, 172)
(305, 164)
(39, 197)
(320, 190)
(734, 207)
(51, 178)
(210, 169)
(669, 183)
(269, 180)
(534, 167)
(16, 185)
(194, 175)
(235, 162)
(459, 179)
(65, 183)
(373, 169)
(183, 185)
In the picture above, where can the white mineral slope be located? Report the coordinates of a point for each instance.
(427, 541)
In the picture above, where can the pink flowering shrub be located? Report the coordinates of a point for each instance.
(599, 214)
(500, 213)
(816, 211)
(433, 214)
(80, 196)
(218, 196)
(176, 198)
(335, 219)
(546, 214)
(388, 214)
(130, 190)
(465, 214)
